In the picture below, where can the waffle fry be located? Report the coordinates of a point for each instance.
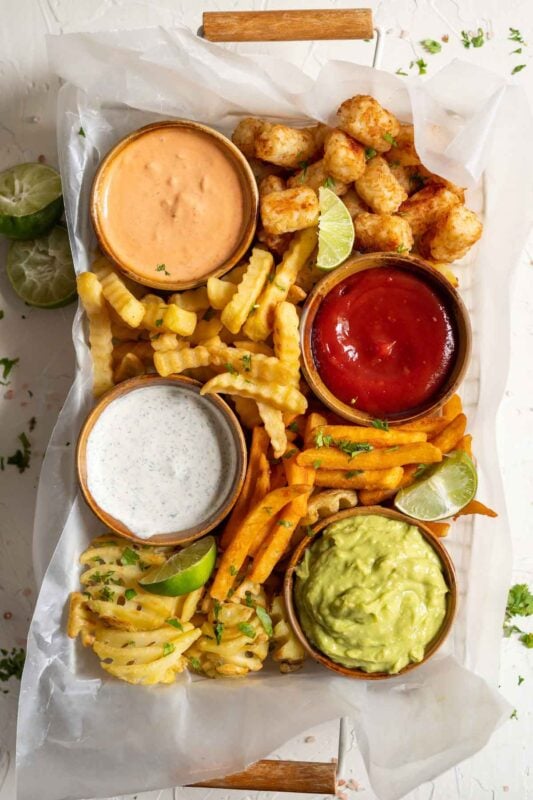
(100, 336)
(284, 398)
(243, 301)
(220, 292)
(129, 309)
(272, 419)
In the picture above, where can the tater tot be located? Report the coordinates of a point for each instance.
(403, 153)
(271, 183)
(425, 207)
(315, 176)
(278, 243)
(353, 203)
(403, 176)
(423, 176)
(452, 235)
(261, 169)
(246, 133)
(379, 188)
(344, 158)
(368, 122)
(287, 147)
(319, 133)
(382, 232)
(290, 210)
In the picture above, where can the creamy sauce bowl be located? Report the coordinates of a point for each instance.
(159, 462)
(173, 204)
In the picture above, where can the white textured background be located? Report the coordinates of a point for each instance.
(41, 340)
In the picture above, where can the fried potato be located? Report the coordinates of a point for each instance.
(81, 622)
(254, 347)
(271, 183)
(287, 338)
(452, 407)
(319, 133)
(242, 303)
(277, 243)
(247, 412)
(452, 434)
(465, 444)
(439, 529)
(251, 528)
(206, 331)
(245, 135)
(166, 341)
(404, 177)
(179, 320)
(329, 502)
(172, 362)
(475, 507)
(359, 479)
(196, 300)
(288, 651)
(425, 207)
(251, 365)
(296, 295)
(289, 210)
(344, 158)
(354, 204)
(423, 177)
(381, 458)
(313, 421)
(372, 436)
(382, 232)
(429, 425)
(285, 146)
(220, 292)
(316, 175)
(403, 152)
(285, 398)
(90, 292)
(117, 294)
(130, 367)
(452, 236)
(379, 188)
(367, 121)
(272, 419)
(142, 350)
(261, 322)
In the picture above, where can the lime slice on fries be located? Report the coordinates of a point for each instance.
(335, 230)
(184, 571)
(30, 200)
(442, 491)
(41, 270)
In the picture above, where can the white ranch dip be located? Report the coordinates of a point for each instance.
(160, 459)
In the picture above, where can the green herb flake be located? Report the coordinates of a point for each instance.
(402, 248)
(389, 138)
(195, 664)
(431, 46)
(129, 594)
(293, 427)
(317, 464)
(162, 268)
(216, 609)
(21, 458)
(219, 630)
(290, 453)
(248, 599)
(270, 277)
(106, 594)
(268, 509)
(392, 449)
(380, 424)
(527, 640)
(280, 286)
(309, 531)
(470, 39)
(264, 619)
(514, 715)
(158, 323)
(521, 680)
(31, 424)
(247, 362)
(518, 51)
(352, 448)
(518, 68)
(370, 153)
(247, 629)
(516, 36)
(7, 365)
(421, 64)
(285, 523)
(419, 471)
(303, 166)
(129, 556)
(232, 570)
(400, 71)
(175, 623)
(352, 473)
(168, 648)
(230, 368)
(329, 183)
(323, 440)
(11, 663)
(519, 601)
(81, 132)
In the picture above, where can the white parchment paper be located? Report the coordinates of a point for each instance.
(83, 734)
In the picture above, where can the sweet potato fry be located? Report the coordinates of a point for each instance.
(465, 444)
(429, 425)
(452, 408)
(247, 412)
(261, 489)
(452, 434)
(314, 420)
(388, 479)
(382, 458)
(277, 477)
(251, 528)
(439, 529)
(475, 507)
(374, 436)
(258, 448)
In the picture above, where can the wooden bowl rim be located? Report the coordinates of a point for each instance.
(372, 261)
(448, 572)
(178, 537)
(249, 191)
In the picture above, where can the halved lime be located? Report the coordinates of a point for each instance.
(443, 491)
(184, 571)
(41, 270)
(30, 200)
(335, 230)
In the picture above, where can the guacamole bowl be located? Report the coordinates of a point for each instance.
(372, 594)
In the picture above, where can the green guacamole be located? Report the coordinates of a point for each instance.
(370, 593)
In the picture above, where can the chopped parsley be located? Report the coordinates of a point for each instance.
(11, 663)
(303, 166)
(421, 64)
(323, 440)
(268, 509)
(402, 248)
(195, 664)
(102, 577)
(518, 68)
(264, 619)
(280, 286)
(290, 453)
(175, 623)
(247, 629)
(216, 609)
(129, 594)
(285, 523)
(514, 715)
(519, 604)
(21, 458)
(309, 531)
(31, 424)
(270, 277)
(253, 308)
(400, 71)
(380, 424)
(293, 427)
(516, 36)
(527, 640)
(247, 362)
(81, 132)
(521, 680)
(106, 594)
(316, 464)
(351, 473)
(7, 365)
(248, 599)
(419, 471)
(219, 630)
(158, 323)
(431, 46)
(370, 153)
(168, 648)
(162, 268)
(518, 51)
(232, 568)
(230, 368)
(351, 448)
(329, 183)
(129, 556)
(470, 39)
(390, 139)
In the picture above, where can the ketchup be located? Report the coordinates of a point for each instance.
(383, 341)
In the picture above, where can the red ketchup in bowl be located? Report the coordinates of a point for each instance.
(383, 341)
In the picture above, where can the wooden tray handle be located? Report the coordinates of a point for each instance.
(281, 776)
(290, 25)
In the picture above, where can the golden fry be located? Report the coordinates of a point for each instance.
(285, 398)
(368, 122)
(452, 434)
(90, 292)
(220, 292)
(251, 365)
(166, 341)
(475, 507)
(296, 295)
(360, 479)
(465, 444)
(172, 362)
(242, 302)
(314, 420)
(452, 408)
(272, 419)
(205, 329)
(439, 529)
(329, 502)
(130, 367)
(379, 188)
(382, 458)
(179, 320)
(287, 338)
(196, 300)
(254, 347)
(129, 309)
(429, 425)
(374, 436)
(290, 210)
(247, 412)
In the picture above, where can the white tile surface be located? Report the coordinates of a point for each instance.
(42, 342)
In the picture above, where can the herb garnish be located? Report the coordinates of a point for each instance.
(233, 568)
(129, 556)
(516, 36)
(247, 629)
(129, 594)
(309, 531)
(290, 453)
(419, 471)
(402, 248)
(106, 594)
(285, 523)
(7, 365)
(527, 640)
(370, 153)
(230, 368)
(351, 473)
(195, 664)
(380, 424)
(12, 663)
(280, 287)
(519, 604)
(247, 362)
(31, 424)
(168, 648)
(21, 458)
(400, 71)
(248, 599)
(81, 132)
(102, 577)
(162, 268)
(329, 183)
(521, 680)
(219, 630)
(316, 464)
(1, 314)
(158, 323)
(518, 68)
(323, 439)
(175, 623)
(470, 39)
(421, 64)
(514, 715)
(294, 427)
(351, 448)
(431, 46)
(216, 609)
(264, 619)
(303, 166)
(390, 139)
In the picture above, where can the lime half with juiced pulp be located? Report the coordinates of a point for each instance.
(184, 571)
(30, 200)
(41, 270)
(335, 230)
(442, 491)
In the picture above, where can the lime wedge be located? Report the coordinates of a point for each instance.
(443, 491)
(184, 571)
(41, 270)
(335, 230)
(30, 200)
